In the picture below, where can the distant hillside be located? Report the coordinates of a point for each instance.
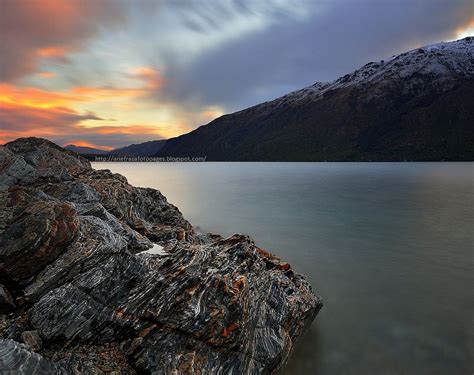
(141, 149)
(85, 150)
(414, 106)
(149, 148)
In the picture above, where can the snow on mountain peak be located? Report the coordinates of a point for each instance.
(439, 64)
(437, 61)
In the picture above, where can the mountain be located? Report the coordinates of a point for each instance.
(149, 148)
(85, 150)
(412, 106)
(141, 149)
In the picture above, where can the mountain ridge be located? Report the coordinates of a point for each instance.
(148, 148)
(85, 150)
(411, 106)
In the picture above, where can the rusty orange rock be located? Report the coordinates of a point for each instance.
(227, 331)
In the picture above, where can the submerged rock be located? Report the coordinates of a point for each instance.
(71, 250)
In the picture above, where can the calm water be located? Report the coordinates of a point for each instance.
(389, 246)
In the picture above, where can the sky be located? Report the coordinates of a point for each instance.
(109, 73)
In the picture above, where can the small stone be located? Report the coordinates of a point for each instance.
(181, 235)
(32, 339)
(284, 266)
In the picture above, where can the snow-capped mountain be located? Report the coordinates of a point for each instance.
(443, 63)
(413, 106)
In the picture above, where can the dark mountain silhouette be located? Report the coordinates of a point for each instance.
(412, 106)
(85, 150)
(141, 149)
(149, 148)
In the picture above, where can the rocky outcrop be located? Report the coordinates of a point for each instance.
(82, 292)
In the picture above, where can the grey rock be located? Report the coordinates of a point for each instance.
(36, 237)
(16, 358)
(71, 249)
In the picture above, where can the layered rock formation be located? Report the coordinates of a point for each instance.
(79, 293)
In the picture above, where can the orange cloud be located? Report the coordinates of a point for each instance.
(82, 143)
(46, 74)
(19, 118)
(130, 129)
(57, 52)
(64, 125)
(34, 112)
(211, 114)
(31, 30)
(143, 71)
(33, 97)
(152, 77)
(466, 30)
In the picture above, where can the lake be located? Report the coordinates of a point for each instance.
(389, 246)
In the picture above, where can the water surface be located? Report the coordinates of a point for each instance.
(389, 246)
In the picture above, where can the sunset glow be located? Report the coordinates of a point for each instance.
(466, 31)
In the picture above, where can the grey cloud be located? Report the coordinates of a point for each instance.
(332, 40)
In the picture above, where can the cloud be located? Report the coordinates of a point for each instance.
(63, 125)
(41, 29)
(109, 137)
(58, 53)
(18, 118)
(332, 38)
(69, 67)
(46, 74)
(31, 111)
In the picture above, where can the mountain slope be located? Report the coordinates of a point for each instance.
(141, 149)
(413, 106)
(85, 150)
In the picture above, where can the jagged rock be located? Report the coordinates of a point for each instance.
(32, 339)
(38, 235)
(71, 250)
(16, 358)
(6, 300)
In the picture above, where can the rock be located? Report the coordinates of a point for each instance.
(36, 237)
(6, 300)
(16, 358)
(137, 341)
(71, 250)
(32, 339)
